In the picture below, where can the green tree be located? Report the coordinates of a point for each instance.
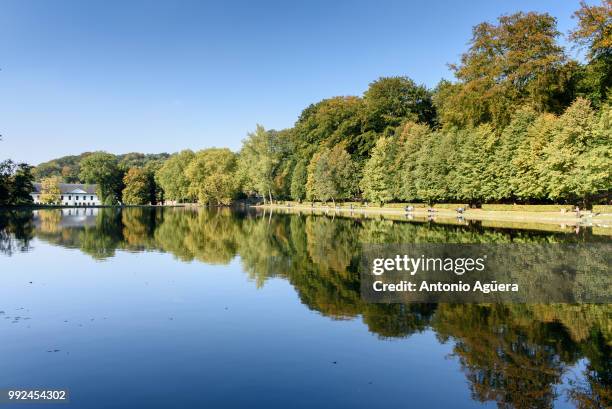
(101, 168)
(21, 185)
(330, 122)
(474, 171)
(509, 64)
(528, 181)
(260, 159)
(137, 190)
(391, 100)
(379, 173)
(332, 175)
(298, 181)
(172, 179)
(593, 171)
(506, 165)
(6, 172)
(575, 133)
(435, 173)
(594, 31)
(410, 136)
(50, 190)
(155, 193)
(212, 176)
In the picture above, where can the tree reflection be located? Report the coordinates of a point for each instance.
(514, 355)
(16, 231)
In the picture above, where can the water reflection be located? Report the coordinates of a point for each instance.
(514, 355)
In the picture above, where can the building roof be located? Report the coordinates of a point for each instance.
(66, 188)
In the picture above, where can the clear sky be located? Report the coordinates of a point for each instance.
(161, 76)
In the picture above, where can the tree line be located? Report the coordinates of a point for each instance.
(521, 122)
(15, 183)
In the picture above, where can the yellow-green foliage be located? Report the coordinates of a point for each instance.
(137, 187)
(172, 179)
(211, 176)
(50, 191)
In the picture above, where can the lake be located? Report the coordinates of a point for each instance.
(174, 307)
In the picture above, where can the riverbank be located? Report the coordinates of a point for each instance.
(41, 206)
(540, 220)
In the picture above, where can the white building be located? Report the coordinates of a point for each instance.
(72, 194)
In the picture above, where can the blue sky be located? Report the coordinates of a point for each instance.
(161, 76)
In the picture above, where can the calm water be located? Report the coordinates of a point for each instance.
(163, 308)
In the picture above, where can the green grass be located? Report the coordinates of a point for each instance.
(450, 206)
(602, 208)
(526, 208)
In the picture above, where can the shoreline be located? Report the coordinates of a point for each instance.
(586, 219)
(601, 223)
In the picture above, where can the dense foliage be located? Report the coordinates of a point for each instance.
(137, 187)
(212, 176)
(522, 122)
(50, 192)
(102, 168)
(69, 167)
(537, 157)
(15, 183)
(172, 179)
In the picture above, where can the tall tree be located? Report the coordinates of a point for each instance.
(332, 175)
(593, 170)
(137, 190)
(474, 171)
(298, 181)
(172, 179)
(573, 137)
(212, 176)
(528, 181)
(433, 167)
(155, 193)
(508, 169)
(260, 159)
(594, 31)
(379, 175)
(512, 63)
(50, 190)
(6, 172)
(101, 168)
(391, 100)
(410, 136)
(21, 185)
